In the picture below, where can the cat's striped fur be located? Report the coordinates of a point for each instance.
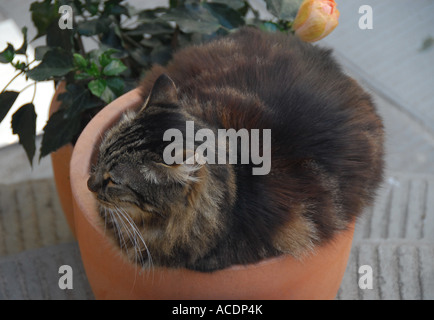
(326, 156)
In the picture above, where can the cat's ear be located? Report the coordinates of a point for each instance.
(163, 92)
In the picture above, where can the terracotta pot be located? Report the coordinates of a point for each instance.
(112, 277)
(60, 161)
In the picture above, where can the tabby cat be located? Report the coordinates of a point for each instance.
(326, 156)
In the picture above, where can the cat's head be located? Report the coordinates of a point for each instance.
(132, 177)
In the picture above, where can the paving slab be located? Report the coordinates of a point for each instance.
(400, 270)
(31, 217)
(403, 210)
(34, 274)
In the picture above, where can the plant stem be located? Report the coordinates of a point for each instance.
(28, 86)
(16, 76)
(34, 92)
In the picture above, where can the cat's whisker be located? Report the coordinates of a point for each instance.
(137, 232)
(132, 237)
(105, 220)
(118, 228)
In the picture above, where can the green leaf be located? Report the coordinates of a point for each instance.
(161, 55)
(56, 63)
(77, 99)
(93, 27)
(234, 4)
(60, 38)
(114, 68)
(8, 54)
(92, 6)
(151, 42)
(105, 57)
(153, 29)
(116, 84)
(104, 60)
(108, 95)
(80, 61)
(23, 48)
(19, 65)
(59, 130)
(97, 87)
(41, 51)
(193, 18)
(24, 125)
(43, 15)
(227, 17)
(64, 125)
(82, 76)
(93, 70)
(269, 26)
(283, 9)
(7, 99)
(114, 8)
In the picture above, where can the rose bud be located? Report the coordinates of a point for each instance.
(315, 19)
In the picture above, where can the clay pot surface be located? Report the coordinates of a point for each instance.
(60, 160)
(113, 277)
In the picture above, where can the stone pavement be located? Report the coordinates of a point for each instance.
(395, 238)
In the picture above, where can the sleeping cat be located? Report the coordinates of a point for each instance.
(326, 156)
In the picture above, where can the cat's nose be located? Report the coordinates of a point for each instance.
(93, 183)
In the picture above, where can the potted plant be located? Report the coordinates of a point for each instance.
(125, 43)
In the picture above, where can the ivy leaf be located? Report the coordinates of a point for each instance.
(8, 54)
(114, 68)
(56, 63)
(283, 9)
(193, 18)
(7, 99)
(97, 87)
(24, 125)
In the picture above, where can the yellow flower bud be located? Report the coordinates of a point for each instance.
(315, 19)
